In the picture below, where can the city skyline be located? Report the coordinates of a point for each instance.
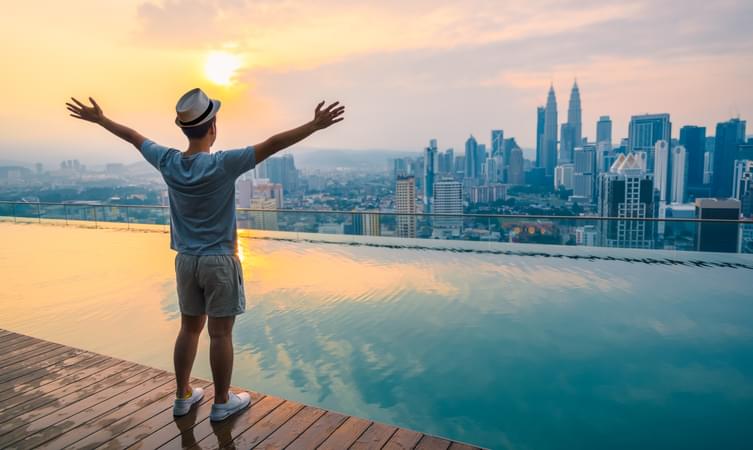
(453, 71)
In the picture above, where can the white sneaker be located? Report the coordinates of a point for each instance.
(183, 405)
(235, 403)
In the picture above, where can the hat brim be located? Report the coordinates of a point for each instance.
(215, 108)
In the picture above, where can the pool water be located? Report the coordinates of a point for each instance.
(523, 351)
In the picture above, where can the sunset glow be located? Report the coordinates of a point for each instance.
(453, 68)
(222, 67)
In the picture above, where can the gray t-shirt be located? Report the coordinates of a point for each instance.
(201, 188)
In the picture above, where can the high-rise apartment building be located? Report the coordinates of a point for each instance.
(645, 130)
(662, 173)
(679, 174)
(430, 168)
(584, 174)
(405, 206)
(626, 191)
(729, 135)
(448, 199)
(563, 176)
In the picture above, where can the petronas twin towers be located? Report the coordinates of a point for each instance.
(571, 135)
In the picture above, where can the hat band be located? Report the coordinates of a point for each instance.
(200, 118)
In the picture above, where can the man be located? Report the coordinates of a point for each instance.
(201, 188)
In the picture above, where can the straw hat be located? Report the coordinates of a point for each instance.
(195, 108)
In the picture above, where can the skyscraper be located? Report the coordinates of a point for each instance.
(430, 166)
(729, 135)
(567, 143)
(661, 170)
(679, 174)
(604, 130)
(626, 191)
(563, 176)
(515, 173)
(574, 115)
(584, 173)
(549, 150)
(405, 205)
(448, 199)
(645, 130)
(471, 158)
(743, 185)
(498, 138)
(540, 115)
(694, 140)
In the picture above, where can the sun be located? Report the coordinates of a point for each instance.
(221, 67)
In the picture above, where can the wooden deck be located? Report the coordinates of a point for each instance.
(53, 396)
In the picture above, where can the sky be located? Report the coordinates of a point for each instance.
(407, 70)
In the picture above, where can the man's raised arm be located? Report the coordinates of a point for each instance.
(94, 114)
(322, 119)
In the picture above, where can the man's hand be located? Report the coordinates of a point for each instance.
(89, 113)
(327, 116)
(94, 114)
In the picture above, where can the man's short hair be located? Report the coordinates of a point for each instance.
(198, 131)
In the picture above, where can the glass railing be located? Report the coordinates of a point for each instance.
(732, 236)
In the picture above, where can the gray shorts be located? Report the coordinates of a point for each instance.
(210, 284)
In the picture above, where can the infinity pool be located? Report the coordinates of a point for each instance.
(505, 349)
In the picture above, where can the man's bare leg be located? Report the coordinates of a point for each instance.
(185, 351)
(221, 355)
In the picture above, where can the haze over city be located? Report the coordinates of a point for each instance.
(407, 71)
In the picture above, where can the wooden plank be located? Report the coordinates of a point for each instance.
(291, 429)
(203, 427)
(49, 426)
(9, 380)
(106, 428)
(181, 428)
(14, 353)
(13, 341)
(19, 415)
(6, 333)
(45, 394)
(78, 426)
(374, 437)
(403, 439)
(32, 364)
(36, 361)
(346, 434)
(47, 375)
(218, 434)
(432, 442)
(30, 421)
(25, 352)
(134, 435)
(318, 432)
(264, 427)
